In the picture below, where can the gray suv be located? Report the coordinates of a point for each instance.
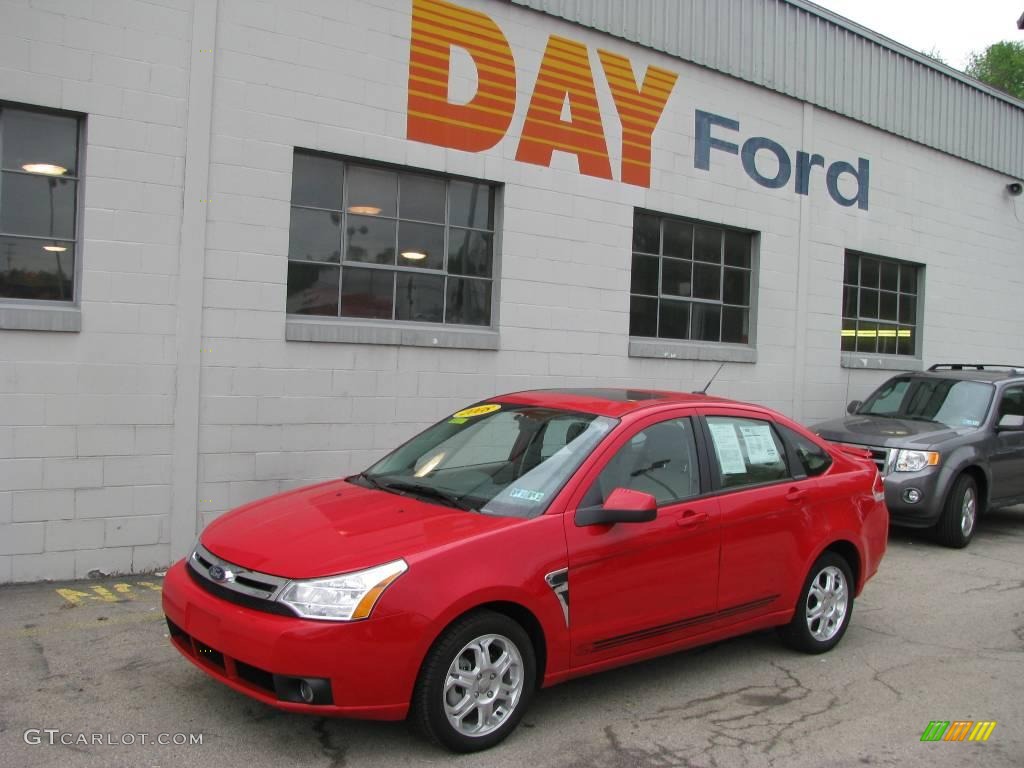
(949, 443)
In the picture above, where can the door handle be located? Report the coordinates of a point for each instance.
(795, 495)
(690, 518)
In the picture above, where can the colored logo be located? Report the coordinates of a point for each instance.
(958, 730)
(217, 573)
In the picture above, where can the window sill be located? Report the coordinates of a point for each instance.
(388, 333)
(880, 362)
(667, 349)
(17, 317)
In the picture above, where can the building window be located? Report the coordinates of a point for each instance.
(689, 280)
(880, 305)
(38, 203)
(375, 242)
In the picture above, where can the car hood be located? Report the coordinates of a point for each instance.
(338, 527)
(885, 432)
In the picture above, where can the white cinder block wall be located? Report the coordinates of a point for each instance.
(86, 418)
(89, 421)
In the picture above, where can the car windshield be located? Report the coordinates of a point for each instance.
(952, 402)
(499, 459)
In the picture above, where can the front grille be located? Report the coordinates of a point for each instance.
(282, 687)
(237, 584)
(255, 676)
(208, 655)
(881, 458)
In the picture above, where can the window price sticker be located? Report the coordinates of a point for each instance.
(727, 447)
(760, 445)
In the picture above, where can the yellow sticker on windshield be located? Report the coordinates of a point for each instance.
(479, 410)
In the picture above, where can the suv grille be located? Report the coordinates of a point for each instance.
(881, 456)
(237, 584)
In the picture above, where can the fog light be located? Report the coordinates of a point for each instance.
(306, 692)
(912, 495)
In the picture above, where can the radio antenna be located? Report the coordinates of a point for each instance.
(713, 376)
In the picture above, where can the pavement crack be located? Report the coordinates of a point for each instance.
(334, 752)
(41, 656)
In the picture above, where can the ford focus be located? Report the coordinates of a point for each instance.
(523, 541)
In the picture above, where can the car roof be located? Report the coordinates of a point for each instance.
(609, 401)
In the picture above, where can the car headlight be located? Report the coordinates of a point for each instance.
(346, 597)
(914, 461)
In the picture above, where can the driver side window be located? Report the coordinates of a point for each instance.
(660, 460)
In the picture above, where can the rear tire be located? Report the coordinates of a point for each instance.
(959, 517)
(826, 604)
(475, 684)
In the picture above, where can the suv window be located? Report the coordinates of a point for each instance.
(749, 452)
(660, 460)
(953, 402)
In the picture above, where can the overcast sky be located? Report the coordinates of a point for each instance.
(953, 28)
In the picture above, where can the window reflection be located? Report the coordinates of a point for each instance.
(689, 280)
(38, 204)
(409, 246)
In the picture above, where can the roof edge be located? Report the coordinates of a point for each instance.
(904, 50)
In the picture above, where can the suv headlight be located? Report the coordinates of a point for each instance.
(346, 597)
(914, 461)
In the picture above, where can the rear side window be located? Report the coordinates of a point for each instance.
(748, 451)
(813, 458)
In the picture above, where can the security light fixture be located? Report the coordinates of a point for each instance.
(45, 169)
(1015, 188)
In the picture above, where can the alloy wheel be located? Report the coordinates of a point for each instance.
(827, 602)
(483, 685)
(968, 512)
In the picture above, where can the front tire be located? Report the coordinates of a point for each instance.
(959, 514)
(825, 606)
(475, 684)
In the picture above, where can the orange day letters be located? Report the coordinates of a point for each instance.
(564, 78)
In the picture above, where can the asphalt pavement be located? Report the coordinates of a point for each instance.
(89, 678)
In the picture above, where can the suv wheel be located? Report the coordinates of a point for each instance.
(959, 514)
(475, 684)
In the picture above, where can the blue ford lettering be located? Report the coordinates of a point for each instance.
(805, 162)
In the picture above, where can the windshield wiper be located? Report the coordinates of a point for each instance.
(451, 499)
(368, 479)
(921, 418)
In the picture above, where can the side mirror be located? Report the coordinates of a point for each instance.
(621, 506)
(853, 406)
(1011, 422)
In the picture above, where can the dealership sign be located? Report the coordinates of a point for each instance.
(563, 112)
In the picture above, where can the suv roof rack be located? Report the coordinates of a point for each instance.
(976, 367)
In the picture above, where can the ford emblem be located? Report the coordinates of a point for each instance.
(217, 573)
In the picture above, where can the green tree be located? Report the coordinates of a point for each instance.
(1001, 65)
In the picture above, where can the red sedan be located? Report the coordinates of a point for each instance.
(526, 540)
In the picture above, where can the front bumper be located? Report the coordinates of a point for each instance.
(922, 514)
(371, 665)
